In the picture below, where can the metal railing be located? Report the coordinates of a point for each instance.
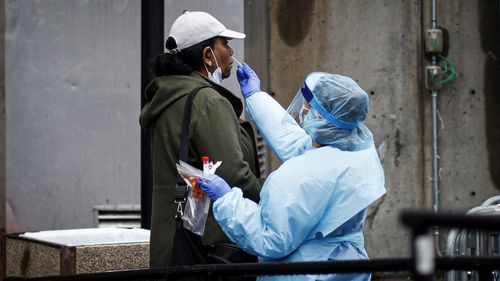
(423, 263)
(471, 242)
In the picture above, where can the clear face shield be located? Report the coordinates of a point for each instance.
(296, 107)
(299, 106)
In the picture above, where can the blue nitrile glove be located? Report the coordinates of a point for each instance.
(249, 81)
(215, 187)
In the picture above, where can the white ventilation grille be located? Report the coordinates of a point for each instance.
(117, 216)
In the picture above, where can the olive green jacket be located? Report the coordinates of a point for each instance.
(215, 131)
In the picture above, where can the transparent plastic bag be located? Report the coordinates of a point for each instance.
(197, 202)
(197, 207)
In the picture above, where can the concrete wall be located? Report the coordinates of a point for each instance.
(379, 44)
(469, 107)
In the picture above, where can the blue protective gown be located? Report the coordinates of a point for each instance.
(313, 207)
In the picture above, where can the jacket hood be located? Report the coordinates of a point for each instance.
(164, 91)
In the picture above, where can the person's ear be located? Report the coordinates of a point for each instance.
(206, 54)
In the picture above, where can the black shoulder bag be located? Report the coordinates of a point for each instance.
(187, 248)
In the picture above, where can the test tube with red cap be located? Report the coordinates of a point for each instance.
(206, 166)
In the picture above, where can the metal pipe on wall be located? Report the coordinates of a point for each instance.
(435, 168)
(435, 163)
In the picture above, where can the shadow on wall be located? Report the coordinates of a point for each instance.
(489, 13)
(294, 20)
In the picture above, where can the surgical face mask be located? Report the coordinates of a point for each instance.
(308, 121)
(314, 125)
(216, 76)
(308, 115)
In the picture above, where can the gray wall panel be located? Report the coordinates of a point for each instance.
(3, 208)
(72, 98)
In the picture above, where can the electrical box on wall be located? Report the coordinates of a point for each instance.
(434, 41)
(433, 77)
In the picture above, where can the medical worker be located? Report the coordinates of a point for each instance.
(313, 207)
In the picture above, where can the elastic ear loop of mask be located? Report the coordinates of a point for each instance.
(216, 64)
(208, 72)
(213, 54)
(311, 99)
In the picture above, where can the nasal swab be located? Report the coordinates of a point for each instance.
(236, 60)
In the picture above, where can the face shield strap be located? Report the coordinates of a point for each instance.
(306, 93)
(311, 99)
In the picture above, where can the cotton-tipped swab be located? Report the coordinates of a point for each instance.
(236, 60)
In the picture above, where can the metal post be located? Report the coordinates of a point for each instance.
(423, 255)
(152, 40)
(484, 250)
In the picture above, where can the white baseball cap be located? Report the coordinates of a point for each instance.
(191, 28)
